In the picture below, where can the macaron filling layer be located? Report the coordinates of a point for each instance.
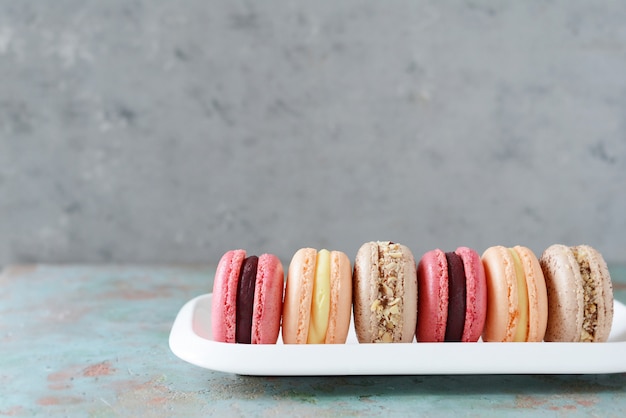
(320, 302)
(590, 318)
(387, 307)
(245, 300)
(456, 297)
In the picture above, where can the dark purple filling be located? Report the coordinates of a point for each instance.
(245, 300)
(456, 298)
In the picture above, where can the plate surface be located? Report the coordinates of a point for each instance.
(190, 339)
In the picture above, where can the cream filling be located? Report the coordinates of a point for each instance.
(387, 307)
(320, 302)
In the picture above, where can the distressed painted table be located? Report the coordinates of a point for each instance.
(93, 341)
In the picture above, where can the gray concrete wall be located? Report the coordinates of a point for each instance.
(172, 131)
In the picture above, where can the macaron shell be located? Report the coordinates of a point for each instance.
(409, 298)
(502, 298)
(604, 329)
(564, 286)
(268, 300)
(340, 298)
(298, 296)
(224, 305)
(476, 285)
(432, 276)
(537, 294)
(365, 291)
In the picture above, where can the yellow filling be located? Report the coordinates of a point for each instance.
(320, 305)
(521, 332)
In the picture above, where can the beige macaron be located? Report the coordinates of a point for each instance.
(384, 293)
(580, 294)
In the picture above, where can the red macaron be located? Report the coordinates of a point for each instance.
(452, 302)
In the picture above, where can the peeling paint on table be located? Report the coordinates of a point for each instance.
(93, 341)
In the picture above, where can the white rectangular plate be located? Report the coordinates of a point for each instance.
(190, 339)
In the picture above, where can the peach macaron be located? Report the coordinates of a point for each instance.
(517, 301)
(318, 298)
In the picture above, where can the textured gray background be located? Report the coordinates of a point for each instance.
(172, 131)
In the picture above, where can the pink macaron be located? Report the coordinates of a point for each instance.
(452, 302)
(247, 298)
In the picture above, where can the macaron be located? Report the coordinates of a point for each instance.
(580, 294)
(452, 302)
(384, 293)
(517, 302)
(318, 298)
(247, 298)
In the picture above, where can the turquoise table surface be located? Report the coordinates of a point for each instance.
(93, 341)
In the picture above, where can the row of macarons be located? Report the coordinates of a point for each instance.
(504, 295)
